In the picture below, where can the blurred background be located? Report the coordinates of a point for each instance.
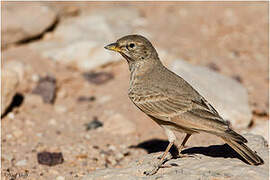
(65, 109)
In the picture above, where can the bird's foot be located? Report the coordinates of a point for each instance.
(153, 170)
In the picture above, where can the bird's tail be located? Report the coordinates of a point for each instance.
(243, 150)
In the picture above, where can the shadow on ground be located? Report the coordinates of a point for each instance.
(157, 145)
(16, 102)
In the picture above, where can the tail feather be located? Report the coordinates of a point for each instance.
(244, 151)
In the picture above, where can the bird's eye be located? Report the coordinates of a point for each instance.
(131, 45)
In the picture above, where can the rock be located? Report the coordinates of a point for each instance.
(50, 159)
(225, 94)
(19, 67)
(10, 82)
(86, 99)
(60, 109)
(20, 21)
(46, 88)
(98, 78)
(200, 167)
(79, 41)
(60, 178)
(118, 124)
(94, 124)
(21, 163)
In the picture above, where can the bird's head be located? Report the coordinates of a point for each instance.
(134, 48)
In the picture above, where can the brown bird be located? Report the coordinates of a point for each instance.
(170, 101)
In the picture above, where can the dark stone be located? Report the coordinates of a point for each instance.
(46, 88)
(94, 124)
(213, 66)
(85, 98)
(50, 159)
(237, 78)
(98, 78)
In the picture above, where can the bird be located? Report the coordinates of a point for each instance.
(171, 101)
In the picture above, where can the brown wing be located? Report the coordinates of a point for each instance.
(186, 110)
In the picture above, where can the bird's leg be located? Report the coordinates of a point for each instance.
(156, 167)
(180, 148)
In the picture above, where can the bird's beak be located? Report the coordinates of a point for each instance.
(113, 47)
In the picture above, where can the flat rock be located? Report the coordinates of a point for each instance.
(79, 41)
(10, 82)
(24, 21)
(225, 94)
(200, 167)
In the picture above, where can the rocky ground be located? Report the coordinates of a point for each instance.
(65, 110)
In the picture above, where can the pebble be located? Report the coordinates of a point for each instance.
(11, 115)
(50, 159)
(21, 163)
(35, 78)
(52, 122)
(62, 94)
(98, 78)
(87, 136)
(60, 109)
(60, 178)
(46, 88)
(94, 124)
(9, 136)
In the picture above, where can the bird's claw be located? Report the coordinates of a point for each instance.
(153, 171)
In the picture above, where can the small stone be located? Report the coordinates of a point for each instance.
(21, 163)
(213, 66)
(94, 124)
(53, 171)
(85, 99)
(104, 99)
(9, 136)
(111, 160)
(98, 78)
(60, 109)
(60, 178)
(7, 157)
(237, 78)
(62, 94)
(119, 156)
(35, 78)
(11, 115)
(52, 122)
(87, 136)
(50, 159)
(39, 134)
(46, 88)
(112, 147)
